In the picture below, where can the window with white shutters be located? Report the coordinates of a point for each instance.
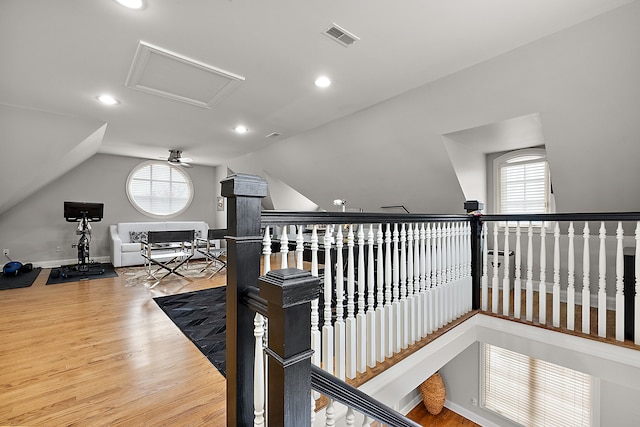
(523, 184)
(533, 392)
(158, 189)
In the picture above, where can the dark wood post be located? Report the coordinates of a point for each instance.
(289, 293)
(474, 209)
(244, 243)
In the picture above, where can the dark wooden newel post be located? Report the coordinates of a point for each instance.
(289, 293)
(474, 208)
(244, 244)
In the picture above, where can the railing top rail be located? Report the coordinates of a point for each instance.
(342, 392)
(270, 218)
(579, 216)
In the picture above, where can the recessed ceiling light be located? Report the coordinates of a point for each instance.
(241, 129)
(323, 81)
(132, 4)
(108, 100)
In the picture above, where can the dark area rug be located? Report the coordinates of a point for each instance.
(22, 280)
(67, 274)
(201, 316)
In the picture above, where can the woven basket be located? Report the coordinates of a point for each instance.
(433, 393)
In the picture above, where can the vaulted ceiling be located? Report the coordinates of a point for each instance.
(58, 56)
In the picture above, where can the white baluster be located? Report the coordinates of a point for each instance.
(258, 372)
(339, 326)
(388, 309)
(367, 421)
(636, 323)
(350, 418)
(351, 337)
(416, 283)
(571, 289)
(529, 285)
(495, 283)
(397, 323)
(266, 251)
(284, 247)
(446, 273)
(586, 291)
(517, 284)
(316, 336)
(556, 276)
(602, 284)
(428, 281)
(371, 315)
(410, 296)
(380, 327)
(327, 328)
(423, 283)
(403, 287)
(506, 282)
(439, 300)
(330, 413)
(619, 284)
(542, 289)
(361, 320)
(485, 268)
(300, 249)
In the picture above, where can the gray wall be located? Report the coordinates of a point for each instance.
(35, 228)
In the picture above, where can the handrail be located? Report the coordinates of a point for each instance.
(253, 300)
(342, 392)
(270, 218)
(578, 216)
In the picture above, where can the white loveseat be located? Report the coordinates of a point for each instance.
(125, 238)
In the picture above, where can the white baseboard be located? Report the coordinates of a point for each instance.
(469, 414)
(60, 262)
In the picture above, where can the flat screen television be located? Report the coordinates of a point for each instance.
(76, 211)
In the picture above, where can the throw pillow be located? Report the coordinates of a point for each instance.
(137, 236)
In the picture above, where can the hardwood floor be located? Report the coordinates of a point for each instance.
(446, 418)
(101, 352)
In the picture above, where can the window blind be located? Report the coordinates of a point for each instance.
(533, 392)
(160, 189)
(523, 187)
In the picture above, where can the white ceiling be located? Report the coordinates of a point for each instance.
(57, 56)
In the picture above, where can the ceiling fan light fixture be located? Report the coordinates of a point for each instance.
(108, 99)
(132, 4)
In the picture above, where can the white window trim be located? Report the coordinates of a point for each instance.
(149, 214)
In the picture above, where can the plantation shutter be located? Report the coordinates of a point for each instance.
(523, 186)
(533, 392)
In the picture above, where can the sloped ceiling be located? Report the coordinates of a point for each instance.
(39, 146)
(582, 82)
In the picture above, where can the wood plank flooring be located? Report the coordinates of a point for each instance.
(101, 352)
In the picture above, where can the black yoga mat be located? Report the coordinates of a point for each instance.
(67, 274)
(22, 280)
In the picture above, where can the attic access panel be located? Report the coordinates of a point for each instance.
(164, 73)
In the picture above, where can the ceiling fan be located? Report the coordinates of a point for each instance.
(175, 158)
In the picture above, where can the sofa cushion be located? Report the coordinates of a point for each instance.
(130, 247)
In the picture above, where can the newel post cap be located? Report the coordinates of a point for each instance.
(289, 287)
(242, 184)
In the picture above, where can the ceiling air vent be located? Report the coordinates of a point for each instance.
(341, 35)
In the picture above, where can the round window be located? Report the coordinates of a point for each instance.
(158, 189)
